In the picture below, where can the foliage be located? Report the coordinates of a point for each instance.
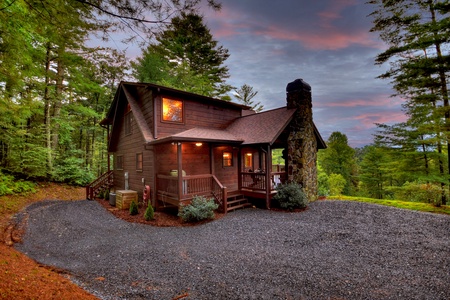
(9, 185)
(185, 57)
(337, 184)
(416, 33)
(421, 192)
(134, 209)
(339, 158)
(199, 209)
(245, 94)
(149, 212)
(323, 183)
(291, 196)
(70, 170)
(417, 206)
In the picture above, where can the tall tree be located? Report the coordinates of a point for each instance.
(417, 34)
(338, 158)
(245, 94)
(186, 57)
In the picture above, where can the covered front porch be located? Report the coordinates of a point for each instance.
(230, 174)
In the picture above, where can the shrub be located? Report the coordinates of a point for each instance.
(149, 212)
(290, 196)
(134, 210)
(421, 192)
(337, 184)
(199, 209)
(9, 185)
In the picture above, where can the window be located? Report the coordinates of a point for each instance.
(119, 162)
(139, 162)
(248, 160)
(127, 123)
(227, 159)
(172, 110)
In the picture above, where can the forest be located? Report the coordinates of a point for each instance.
(54, 90)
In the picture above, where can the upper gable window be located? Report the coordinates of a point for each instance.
(172, 110)
(127, 122)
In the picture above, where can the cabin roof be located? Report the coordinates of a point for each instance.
(263, 127)
(257, 128)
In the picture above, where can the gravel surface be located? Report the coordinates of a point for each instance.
(333, 250)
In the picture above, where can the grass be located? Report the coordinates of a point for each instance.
(418, 206)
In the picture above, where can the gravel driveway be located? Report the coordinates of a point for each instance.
(333, 250)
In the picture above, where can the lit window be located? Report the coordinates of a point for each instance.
(227, 159)
(119, 162)
(139, 162)
(172, 110)
(248, 160)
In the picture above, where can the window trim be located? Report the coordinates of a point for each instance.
(127, 120)
(225, 159)
(182, 111)
(116, 163)
(139, 163)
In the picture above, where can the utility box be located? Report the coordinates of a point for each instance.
(125, 197)
(112, 199)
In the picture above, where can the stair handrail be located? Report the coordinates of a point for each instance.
(220, 196)
(92, 188)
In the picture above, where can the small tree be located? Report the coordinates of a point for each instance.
(134, 210)
(149, 212)
(337, 184)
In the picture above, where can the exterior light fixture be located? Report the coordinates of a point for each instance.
(198, 144)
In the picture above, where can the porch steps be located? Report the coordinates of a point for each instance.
(236, 201)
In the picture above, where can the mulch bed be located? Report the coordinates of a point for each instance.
(162, 218)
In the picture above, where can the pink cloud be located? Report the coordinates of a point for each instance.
(369, 119)
(379, 101)
(323, 35)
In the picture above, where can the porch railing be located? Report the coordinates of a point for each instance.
(257, 181)
(192, 185)
(105, 181)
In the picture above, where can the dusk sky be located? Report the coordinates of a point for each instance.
(327, 43)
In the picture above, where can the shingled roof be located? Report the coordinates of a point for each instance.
(262, 128)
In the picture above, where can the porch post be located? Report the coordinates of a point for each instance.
(180, 171)
(239, 169)
(268, 176)
(107, 150)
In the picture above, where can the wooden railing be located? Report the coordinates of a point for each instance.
(105, 181)
(257, 181)
(219, 193)
(193, 185)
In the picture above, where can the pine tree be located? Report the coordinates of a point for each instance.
(245, 94)
(186, 57)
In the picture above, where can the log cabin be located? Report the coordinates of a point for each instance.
(169, 146)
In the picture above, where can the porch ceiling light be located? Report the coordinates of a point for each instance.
(198, 144)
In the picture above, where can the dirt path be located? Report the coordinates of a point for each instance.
(20, 276)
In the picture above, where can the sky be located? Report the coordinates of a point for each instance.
(327, 43)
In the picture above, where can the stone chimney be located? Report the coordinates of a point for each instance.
(302, 143)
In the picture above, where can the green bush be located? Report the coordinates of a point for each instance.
(421, 192)
(9, 185)
(134, 210)
(337, 184)
(199, 209)
(149, 212)
(291, 196)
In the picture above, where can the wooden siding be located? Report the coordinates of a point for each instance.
(128, 146)
(196, 160)
(196, 114)
(228, 176)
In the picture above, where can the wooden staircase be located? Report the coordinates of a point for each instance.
(105, 181)
(236, 201)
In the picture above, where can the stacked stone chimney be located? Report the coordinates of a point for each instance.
(302, 143)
